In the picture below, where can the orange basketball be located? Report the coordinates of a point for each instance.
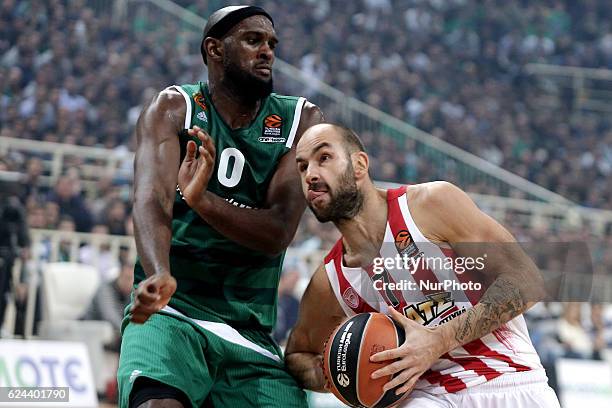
(346, 359)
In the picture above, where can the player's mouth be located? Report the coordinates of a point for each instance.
(315, 195)
(264, 70)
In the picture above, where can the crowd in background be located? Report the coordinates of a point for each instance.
(72, 74)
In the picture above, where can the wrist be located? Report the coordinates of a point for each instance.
(444, 339)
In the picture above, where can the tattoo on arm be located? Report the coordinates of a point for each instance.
(500, 303)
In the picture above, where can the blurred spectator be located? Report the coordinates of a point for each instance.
(572, 334)
(454, 69)
(100, 255)
(110, 300)
(71, 203)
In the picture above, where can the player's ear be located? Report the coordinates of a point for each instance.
(361, 164)
(213, 48)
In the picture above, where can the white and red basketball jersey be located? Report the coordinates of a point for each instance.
(506, 350)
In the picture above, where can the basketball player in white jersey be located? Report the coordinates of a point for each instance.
(464, 347)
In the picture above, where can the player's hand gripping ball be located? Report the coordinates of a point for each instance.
(346, 360)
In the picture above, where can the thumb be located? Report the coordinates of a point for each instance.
(400, 318)
(191, 151)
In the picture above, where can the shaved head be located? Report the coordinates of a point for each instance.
(324, 157)
(347, 137)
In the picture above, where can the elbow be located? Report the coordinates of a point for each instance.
(278, 241)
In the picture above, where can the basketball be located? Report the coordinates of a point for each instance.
(346, 359)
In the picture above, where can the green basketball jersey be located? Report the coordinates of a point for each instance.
(218, 279)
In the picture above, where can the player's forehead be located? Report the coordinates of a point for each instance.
(317, 138)
(254, 24)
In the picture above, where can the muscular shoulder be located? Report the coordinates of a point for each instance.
(438, 207)
(435, 194)
(167, 106)
(310, 116)
(163, 117)
(170, 102)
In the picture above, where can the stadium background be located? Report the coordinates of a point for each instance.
(510, 100)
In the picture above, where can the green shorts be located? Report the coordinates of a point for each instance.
(208, 361)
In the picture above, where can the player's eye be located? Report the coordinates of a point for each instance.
(302, 167)
(324, 157)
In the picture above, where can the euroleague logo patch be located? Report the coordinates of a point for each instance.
(272, 130)
(198, 98)
(405, 244)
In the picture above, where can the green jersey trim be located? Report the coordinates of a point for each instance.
(188, 103)
(296, 121)
(226, 332)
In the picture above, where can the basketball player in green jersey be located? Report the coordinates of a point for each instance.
(211, 246)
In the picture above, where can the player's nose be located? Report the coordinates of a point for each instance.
(312, 175)
(266, 52)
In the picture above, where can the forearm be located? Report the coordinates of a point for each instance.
(307, 370)
(258, 229)
(501, 303)
(153, 234)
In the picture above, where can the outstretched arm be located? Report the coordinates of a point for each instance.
(319, 315)
(269, 229)
(516, 283)
(155, 175)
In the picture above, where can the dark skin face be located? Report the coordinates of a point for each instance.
(248, 51)
(250, 45)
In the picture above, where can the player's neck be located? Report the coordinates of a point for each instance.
(363, 235)
(234, 109)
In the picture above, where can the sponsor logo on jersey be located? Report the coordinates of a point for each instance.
(272, 128)
(268, 139)
(198, 98)
(202, 116)
(427, 311)
(405, 244)
(237, 204)
(350, 297)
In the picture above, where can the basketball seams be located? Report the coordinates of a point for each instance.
(327, 371)
(364, 334)
(397, 345)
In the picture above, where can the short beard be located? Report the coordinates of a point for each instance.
(247, 87)
(345, 203)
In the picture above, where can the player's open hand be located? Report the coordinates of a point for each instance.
(195, 173)
(418, 353)
(151, 296)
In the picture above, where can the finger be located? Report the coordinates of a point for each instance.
(408, 385)
(391, 368)
(147, 297)
(143, 311)
(207, 157)
(139, 318)
(388, 355)
(191, 152)
(210, 146)
(397, 316)
(203, 136)
(194, 131)
(399, 379)
(147, 309)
